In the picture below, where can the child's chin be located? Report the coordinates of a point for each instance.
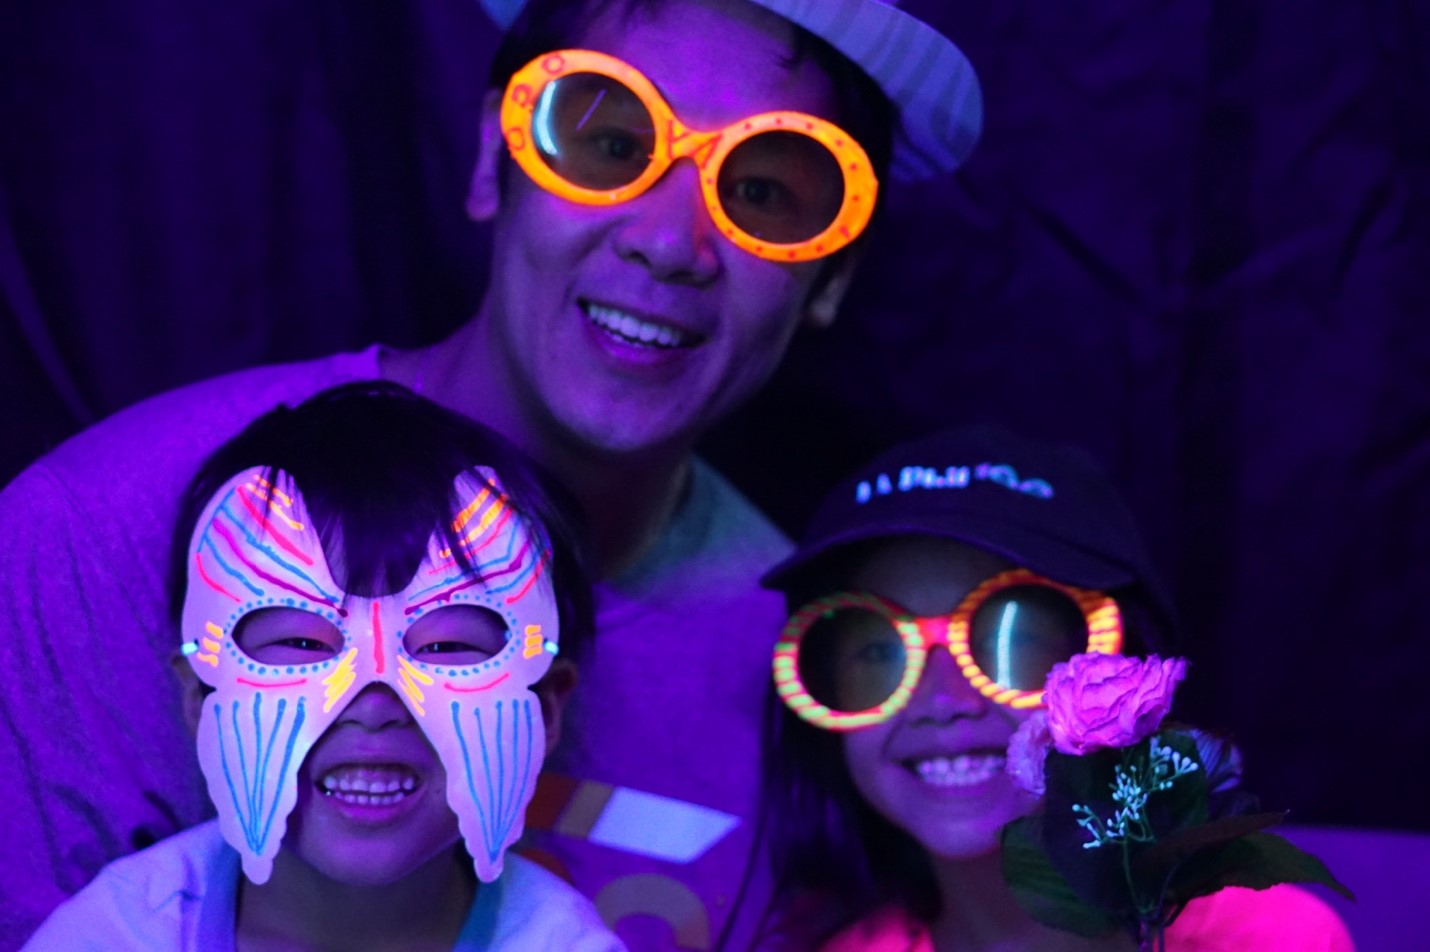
(363, 861)
(373, 868)
(965, 845)
(972, 837)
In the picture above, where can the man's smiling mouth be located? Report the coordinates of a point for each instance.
(629, 329)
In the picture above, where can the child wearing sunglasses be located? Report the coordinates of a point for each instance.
(377, 601)
(935, 589)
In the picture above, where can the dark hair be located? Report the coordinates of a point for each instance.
(376, 465)
(826, 843)
(835, 858)
(864, 111)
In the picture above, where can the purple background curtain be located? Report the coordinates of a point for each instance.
(1194, 240)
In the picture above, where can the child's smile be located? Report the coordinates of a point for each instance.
(958, 770)
(372, 804)
(368, 785)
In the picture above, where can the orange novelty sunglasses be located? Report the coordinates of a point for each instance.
(589, 128)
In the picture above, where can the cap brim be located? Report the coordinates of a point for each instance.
(1056, 559)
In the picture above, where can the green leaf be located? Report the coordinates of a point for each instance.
(1095, 875)
(1161, 857)
(1041, 890)
(1255, 860)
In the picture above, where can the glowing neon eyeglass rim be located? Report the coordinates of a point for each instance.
(1104, 627)
(675, 140)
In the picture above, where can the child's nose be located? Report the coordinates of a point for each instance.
(943, 694)
(376, 707)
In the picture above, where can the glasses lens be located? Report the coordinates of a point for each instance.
(592, 131)
(781, 187)
(1019, 633)
(851, 659)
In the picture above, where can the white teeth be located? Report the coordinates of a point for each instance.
(633, 329)
(963, 770)
(366, 799)
(375, 785)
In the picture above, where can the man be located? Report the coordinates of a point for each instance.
(625, 314)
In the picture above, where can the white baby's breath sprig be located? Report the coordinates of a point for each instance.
(1133, 783)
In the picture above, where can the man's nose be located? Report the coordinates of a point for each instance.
(668, 229)
(943, 694)
(376, 707)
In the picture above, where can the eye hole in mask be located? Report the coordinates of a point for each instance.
(287, 636)
(457, 635)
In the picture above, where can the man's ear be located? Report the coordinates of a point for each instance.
(823, 305)
(484, 193)
(191, 689)
(553, 690)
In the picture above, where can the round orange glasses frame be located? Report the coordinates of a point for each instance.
(589, 128)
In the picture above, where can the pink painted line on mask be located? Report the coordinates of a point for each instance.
(513, 566)
(489, 531)
(535, 574)
(487, 578)
(468, 543)
(272, 684)
(485, 687)
(238, 551)
(273, 533)
(377, 655)
(199, 561)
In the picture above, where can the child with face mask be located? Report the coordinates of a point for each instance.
(885, 761)
(377, 602)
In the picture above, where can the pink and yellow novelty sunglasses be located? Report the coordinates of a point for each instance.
(853, 659)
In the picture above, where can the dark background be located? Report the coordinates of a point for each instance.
(1194, 240)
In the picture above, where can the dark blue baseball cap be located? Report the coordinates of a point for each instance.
(1042, 505)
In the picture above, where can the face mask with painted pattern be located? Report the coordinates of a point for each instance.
(255, 548)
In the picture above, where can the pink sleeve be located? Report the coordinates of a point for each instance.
(888, 930)
(1284, 918)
